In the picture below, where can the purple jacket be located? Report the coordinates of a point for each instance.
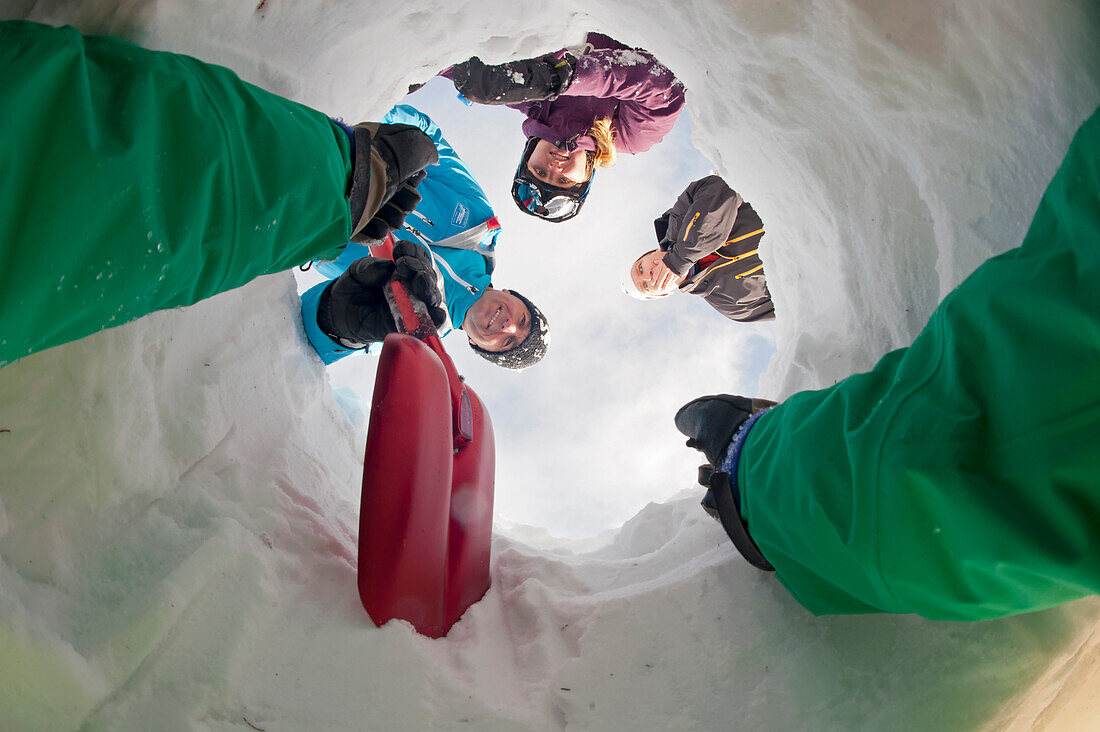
(640, 95)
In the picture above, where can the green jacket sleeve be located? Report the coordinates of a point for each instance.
(958, 479)
(137, 180)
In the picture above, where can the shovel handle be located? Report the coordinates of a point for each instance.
(410, 315)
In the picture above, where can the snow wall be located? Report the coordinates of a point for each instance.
(178, 499)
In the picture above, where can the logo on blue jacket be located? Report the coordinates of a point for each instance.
(461, 215)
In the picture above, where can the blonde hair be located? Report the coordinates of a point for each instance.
(604, 136)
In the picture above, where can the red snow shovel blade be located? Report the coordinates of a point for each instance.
(470, 534)
(406, 485)
(425, 525)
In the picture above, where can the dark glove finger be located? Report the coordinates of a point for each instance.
(420, 283)
(420, 279)
(409, 268)
(404, 248)
(369, 272)
(439, 315)
(373, 233)
(406, 198)
(390, 216)
(424, 287)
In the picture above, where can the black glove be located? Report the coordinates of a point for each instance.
(353, 309)
(393, 212)
(709, 422)
(526, 80)
(405, 150)
(414, 270)
(388, 157)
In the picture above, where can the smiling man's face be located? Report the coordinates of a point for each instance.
(647, 276)
(497, 321)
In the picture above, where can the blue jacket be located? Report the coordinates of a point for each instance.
(453, 220)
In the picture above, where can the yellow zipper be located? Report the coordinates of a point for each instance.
(693, 219)
(746, 236)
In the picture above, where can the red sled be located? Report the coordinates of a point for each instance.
(426, 521)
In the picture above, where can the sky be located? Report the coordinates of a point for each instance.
(585, 438)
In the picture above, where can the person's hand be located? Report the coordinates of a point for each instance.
(393, 212)
(661, 278)
(525, 80)
(405, 150)
(389, 163)
(709, 422)
(353, 310)
(413, 268)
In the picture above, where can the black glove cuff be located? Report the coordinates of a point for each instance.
(359, 195)
(561, 70)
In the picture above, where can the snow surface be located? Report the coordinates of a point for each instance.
(178, 501)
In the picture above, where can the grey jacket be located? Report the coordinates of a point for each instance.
(710, 218)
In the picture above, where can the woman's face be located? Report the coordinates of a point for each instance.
(557, 167)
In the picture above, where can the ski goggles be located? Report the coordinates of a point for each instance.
(543, 200)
